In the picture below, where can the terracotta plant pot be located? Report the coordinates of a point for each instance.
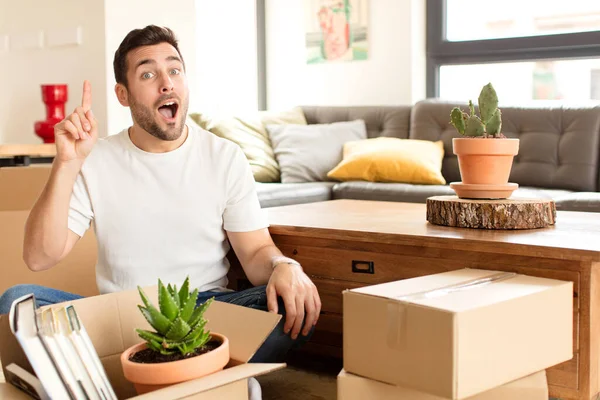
(149, 377)
(485, 161)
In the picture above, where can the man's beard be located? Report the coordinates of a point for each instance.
(145, 118)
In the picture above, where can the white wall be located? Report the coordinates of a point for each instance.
(22, 70)
(226, 61)
(123, 16)
(218, 42)
(104, 24)
(393, 74)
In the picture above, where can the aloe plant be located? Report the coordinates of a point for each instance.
(488, 124)
(178, 323)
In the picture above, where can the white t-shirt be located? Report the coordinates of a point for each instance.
(164, 215)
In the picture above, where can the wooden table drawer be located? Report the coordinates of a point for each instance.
(371, 267)
(330, 292)
(361, 266)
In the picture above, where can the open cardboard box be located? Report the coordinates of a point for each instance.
(353, 387)
(459, 333)
(21, 187)
(110, 321)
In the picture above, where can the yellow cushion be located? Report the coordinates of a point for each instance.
(391, 160)
(250, 133)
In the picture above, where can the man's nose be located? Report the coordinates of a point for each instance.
(166, 85)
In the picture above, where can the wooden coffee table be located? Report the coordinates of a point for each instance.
(350, 243)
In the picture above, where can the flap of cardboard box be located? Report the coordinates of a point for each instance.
(9, 392)
(460, 290)
(350, 387)
(227, 376)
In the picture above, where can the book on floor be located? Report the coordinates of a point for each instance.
(59, 351)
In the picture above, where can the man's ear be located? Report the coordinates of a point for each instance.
(121, 92)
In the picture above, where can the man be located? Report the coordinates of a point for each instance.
(167, 200)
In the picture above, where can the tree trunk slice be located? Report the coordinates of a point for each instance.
(491, 214)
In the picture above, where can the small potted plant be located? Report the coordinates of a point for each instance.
(485, 155)
(179, 348)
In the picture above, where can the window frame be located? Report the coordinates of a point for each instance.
(440, 51)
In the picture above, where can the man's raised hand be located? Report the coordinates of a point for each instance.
(77, 133)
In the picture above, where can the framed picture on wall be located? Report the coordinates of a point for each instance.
(336, 30)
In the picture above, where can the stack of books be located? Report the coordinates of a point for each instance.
(65, 362)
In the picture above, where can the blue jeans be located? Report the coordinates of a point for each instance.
(274, 349)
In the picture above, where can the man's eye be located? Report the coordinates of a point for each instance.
(175, 71)
(147, 75)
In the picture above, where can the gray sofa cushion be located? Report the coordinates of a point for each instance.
(409, 193)
(559, 148)
(580, 201)
(406, 192)
(306, 153)
(388, 121)
(283, 194)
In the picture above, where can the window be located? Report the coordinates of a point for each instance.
(518, 82)
(518, 18)
(545, 51)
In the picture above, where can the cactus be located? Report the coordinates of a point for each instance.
(178, 323)
(489, 121)
(494, 125)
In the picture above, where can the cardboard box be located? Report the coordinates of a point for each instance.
(353, 387)
(76, 273)
(459, 333)
(21, 186)
(111, 319)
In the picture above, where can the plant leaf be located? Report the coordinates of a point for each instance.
(157, 347)
(175, 296)
(179, 330)
(148, 335)
(168, 307)
(474, 127)
(184, 292)
(199, 312)
(196, 331)
(188, 306)
(488, 103)
(457, 120)
(494, 125)
(145, 298)
(156, 319)
(202, 340)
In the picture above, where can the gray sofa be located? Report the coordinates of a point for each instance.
(559, 155)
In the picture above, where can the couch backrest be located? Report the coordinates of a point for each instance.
(559, 147)
(389, 121)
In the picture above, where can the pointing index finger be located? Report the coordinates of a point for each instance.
(86, 99)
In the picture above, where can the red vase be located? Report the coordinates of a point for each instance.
(55, 97)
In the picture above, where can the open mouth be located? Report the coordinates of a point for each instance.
(169, 110)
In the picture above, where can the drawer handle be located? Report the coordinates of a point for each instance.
(363, 267)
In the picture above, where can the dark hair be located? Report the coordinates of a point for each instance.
(148, 36)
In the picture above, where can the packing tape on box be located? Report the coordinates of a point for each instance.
(397, 315)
